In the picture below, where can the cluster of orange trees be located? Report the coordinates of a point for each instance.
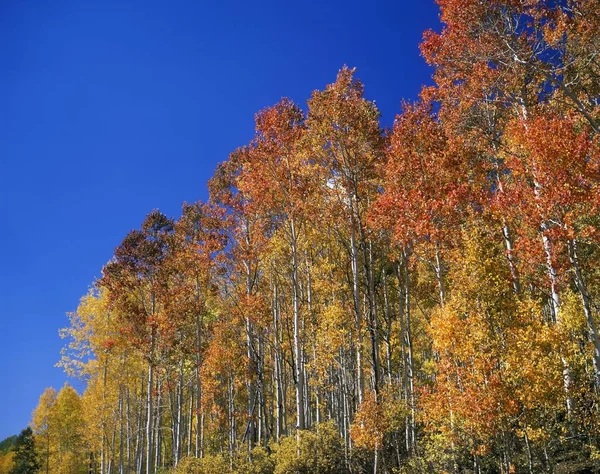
(430, 293)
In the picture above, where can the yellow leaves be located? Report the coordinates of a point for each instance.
(594, 453)
(572, 317)
(498, 356)
(534, 369)
(310, 452)
(61, 428)
(394, 410)
(92, 335)
(40, 422)
(210, 464)
(333, 330)
(6, 462)
(533, 434)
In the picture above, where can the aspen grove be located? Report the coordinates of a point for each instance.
(352, 298)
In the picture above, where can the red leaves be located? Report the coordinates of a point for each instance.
(551, 183)
(108, 344)
(425, 187)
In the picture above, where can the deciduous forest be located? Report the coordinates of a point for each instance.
(350, 298)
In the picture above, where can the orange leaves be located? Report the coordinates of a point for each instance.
(559, 160)
(551, 185)
(253, 307)
(377, 417)
(108, 344)
(368, 428)
(344, 136)
(426, 192)
(273, 177)
(223, 363)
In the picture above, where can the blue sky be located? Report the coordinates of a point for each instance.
(112, 109)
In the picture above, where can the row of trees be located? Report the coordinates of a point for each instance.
(60, 426)
(431, 290)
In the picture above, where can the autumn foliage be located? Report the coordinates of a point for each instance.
(356, 299)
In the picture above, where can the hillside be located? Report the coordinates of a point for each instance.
(7, 444)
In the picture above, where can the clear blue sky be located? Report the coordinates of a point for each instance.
(110, 109)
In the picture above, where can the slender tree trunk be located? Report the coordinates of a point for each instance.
(178, 416)
(587, 307)
(551, 274)
(128, 428)
(202, 415)
(318, 392)
(529, 456)
(388, 329)
(508, 243)
(140, 432)
(231, 416)
(263, 433)
(121, 432)
(197, 445)
(358, 315)
(300, 415)
(158, 420)
(409, 360)
(149, 417)
(373, 316)
(112, 450)
(309, 302)
(439, 276)
(104, 440)
(555, 306)
(278, 388)
(375, 460)
(250, 433)
(403, 352)
(190, 424)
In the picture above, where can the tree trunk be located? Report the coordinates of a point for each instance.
(300, 415)
(278, 388)
(388, 329)
(197, 444)
(149, 417)
(158, 421)
(373, 316)
(587, 307)
(439, 276)
(358, 315)
(409, 354)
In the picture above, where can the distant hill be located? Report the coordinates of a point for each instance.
(7, 444)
